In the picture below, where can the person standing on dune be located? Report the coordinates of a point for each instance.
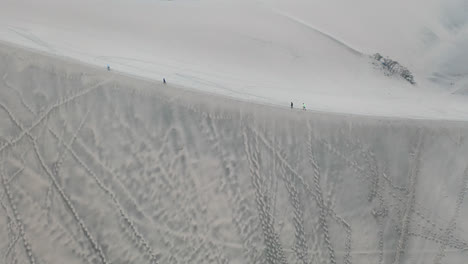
(303, 107)
(292, 105)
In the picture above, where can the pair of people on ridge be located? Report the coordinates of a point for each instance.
(303, 106)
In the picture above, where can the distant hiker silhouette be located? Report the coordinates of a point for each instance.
(164, 80)
(303, 107)
(108, 67)
(292, 105)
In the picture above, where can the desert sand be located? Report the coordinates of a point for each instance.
(99, 167)
(270, 51)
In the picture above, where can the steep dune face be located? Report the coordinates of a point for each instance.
(101, 168)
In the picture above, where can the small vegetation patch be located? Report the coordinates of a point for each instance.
(392, 68)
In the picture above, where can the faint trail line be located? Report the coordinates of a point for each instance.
(382, 212)
(452, 224)
(27, 132)
(67, 201)
(389, 181)
(301, 179)
(322, 215)
(10, 247)
(165, 229)
(127, 220)
(353, 164)
(374, 173)
(348, 240)
(95, 157)
(109, 170)
(28, 171)
(17, 218)
(300, 247)
(310, 27)
(64, 197)
(8, 182)
(456, 245)
(57, 165)
(14, 175)
(362, 173)
(13, 119)
(274, 250)
(195, 198)
(376, 190)
(275, 183)
(242, 219)
(55, 106)
(19, 95)
(61, 157)
(10, 223)
(310, 191)
(61, 141)
(31, 37)
(371, 160)
(413, 177)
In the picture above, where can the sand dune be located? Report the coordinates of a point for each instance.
(98, 167)
(269, 51)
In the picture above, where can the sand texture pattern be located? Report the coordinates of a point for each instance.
(97, 167)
